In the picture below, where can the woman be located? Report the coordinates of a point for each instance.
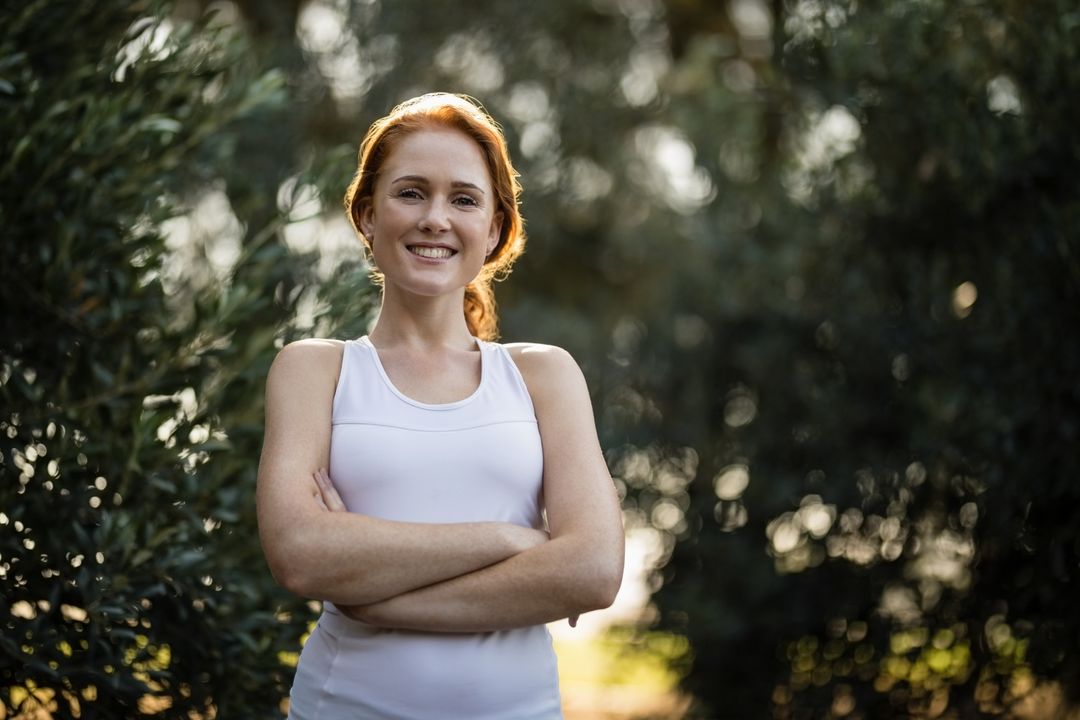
(444, 447)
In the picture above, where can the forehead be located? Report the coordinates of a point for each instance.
(441, 153)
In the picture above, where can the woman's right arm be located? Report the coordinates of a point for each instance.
(344, 557)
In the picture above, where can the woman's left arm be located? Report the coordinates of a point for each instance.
(579, 569)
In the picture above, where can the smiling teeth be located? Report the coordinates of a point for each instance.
(431, 252)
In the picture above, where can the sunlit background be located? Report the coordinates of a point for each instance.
(819, 260)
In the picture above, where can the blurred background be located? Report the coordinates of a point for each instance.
(819, 259)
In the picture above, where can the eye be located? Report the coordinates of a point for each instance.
(409, 194)
(466, 200)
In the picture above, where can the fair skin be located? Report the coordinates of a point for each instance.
(432, 221)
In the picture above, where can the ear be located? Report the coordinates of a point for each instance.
(495, 232)
(367, 218)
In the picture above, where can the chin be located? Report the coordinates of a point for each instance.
(430, 288)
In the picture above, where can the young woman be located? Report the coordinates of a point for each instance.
(427, 539)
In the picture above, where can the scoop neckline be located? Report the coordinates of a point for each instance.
(365, 340)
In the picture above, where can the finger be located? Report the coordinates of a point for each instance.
(330, 494)
(316, 493)
(319, 490)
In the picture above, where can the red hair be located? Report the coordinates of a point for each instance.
(445, 110)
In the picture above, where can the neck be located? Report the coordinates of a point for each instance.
(420, 321)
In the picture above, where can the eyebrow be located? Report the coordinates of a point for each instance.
(422, 179)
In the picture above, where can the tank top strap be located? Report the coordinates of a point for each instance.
(506, 382)
(358, 384)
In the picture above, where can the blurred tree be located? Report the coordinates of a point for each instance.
(135, 343)
(880, 367)
(819, 260)
(748, 220)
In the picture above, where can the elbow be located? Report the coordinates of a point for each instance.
(295, 581)
(302, 571)
(596, 577)
(608, 575)
(609, 587)
(601, 588)
(290, 566)
(289, 574)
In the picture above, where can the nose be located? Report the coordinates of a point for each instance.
(435, 218)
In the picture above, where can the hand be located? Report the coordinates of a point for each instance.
(326, 495)
(525, 538)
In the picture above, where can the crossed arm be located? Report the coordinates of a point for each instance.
(459, 577)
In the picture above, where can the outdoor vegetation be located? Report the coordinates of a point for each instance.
(820, 262)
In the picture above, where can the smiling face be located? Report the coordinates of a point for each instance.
(432, 219)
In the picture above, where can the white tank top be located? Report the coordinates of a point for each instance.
(477, 459)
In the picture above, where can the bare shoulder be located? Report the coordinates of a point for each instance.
(545, 368)
(306, 362)
(542, 361)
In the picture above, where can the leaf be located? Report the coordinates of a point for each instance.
(142, 555)
(159, 124)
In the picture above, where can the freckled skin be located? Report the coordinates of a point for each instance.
(433, 189)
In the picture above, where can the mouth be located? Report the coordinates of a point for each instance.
(431, 252)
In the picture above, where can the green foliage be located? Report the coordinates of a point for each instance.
(903, 396)
(131, 376)
(818, 259)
